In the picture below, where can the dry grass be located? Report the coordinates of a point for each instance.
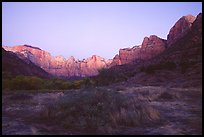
(107, 110)
(99, 110)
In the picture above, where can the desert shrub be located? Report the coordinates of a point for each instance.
(164, 96)
(20, 82)
(148, 70)
(99, 110)
(57, 83)
(6, 75)
(35, 83)
(77, 84)
(107, 77)
(88, 82)
(185, 65)
(6, 83)
(169, 65)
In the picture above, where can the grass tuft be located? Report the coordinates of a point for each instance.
(98, 110)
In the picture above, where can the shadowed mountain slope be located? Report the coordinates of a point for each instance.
(12, 65)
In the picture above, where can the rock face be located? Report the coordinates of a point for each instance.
(59, 66)
(197, 25)
(188, 46)
(181, 27)
(154, 45)
(150, 47)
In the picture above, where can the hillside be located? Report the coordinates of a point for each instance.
(180, 64)
(12, 66)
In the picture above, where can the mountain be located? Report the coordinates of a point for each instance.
(153, 46)
(58, 65)
(182, 48)
(150, 47)
(188, 46)
(181, 27)
(178, 65)
(13, 65)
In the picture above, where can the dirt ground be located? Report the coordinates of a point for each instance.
(180, 110)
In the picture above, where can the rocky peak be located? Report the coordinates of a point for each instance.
(151, 46)
(58, 65)
(71, 58)
(197, 24)
(181, 27)
(152, 41)
(190, 18)
(116, 61)
(93, 58)
(145, 41)
(60, 58)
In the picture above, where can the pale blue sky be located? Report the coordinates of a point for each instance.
(83, 29)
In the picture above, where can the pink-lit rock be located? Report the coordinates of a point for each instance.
(181, 27)
(58, 65)
(150, 47)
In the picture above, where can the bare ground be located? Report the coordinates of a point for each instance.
(180, 111)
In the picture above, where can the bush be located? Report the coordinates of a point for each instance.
(6, 75)
(185, 65)
(35, 83)
(98, 110)
(6, 83)
(107, 77)
(23, 82)
(169, 66)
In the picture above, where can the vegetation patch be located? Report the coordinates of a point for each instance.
(185, 65)
(99, 110)
(165, 96)
(35, 83)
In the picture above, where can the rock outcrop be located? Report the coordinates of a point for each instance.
(150, 47)
(59, 66)
(181, 27)
(188, 46)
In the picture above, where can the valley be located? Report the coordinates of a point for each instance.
(150, 89)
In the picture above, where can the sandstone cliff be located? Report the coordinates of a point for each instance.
(59, 66)
(150, 47)
(181, 27)
(153, 45)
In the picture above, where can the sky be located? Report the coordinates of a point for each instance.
(83, 29)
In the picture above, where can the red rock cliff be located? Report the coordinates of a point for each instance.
(150, 47)
(58, 65)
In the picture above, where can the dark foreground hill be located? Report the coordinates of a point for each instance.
(12, 66)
